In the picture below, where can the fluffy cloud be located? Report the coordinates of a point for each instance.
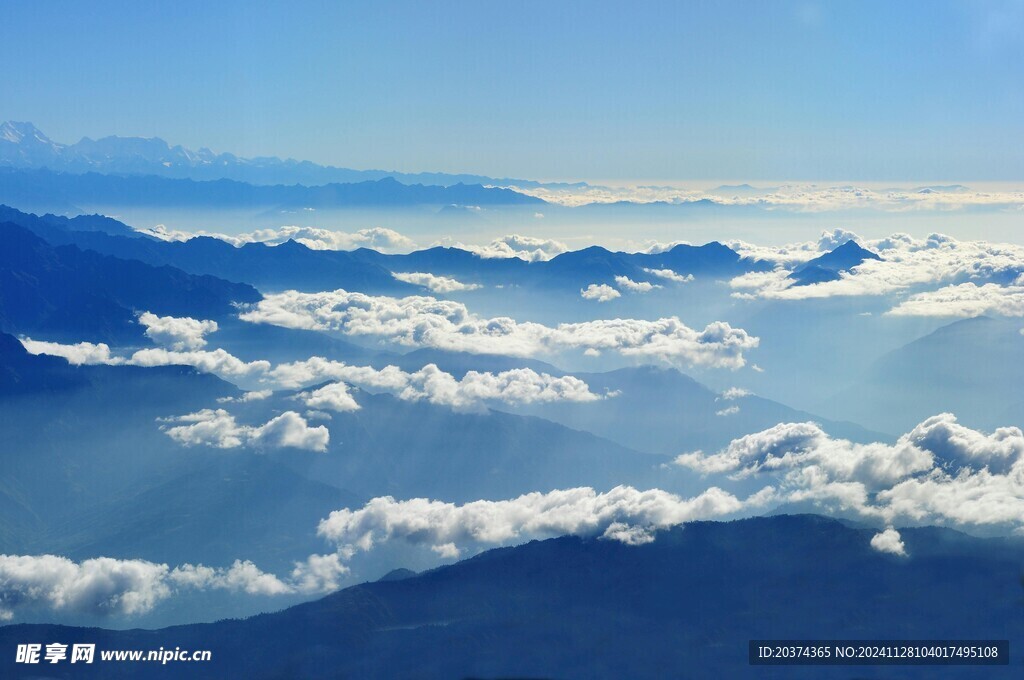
(623, 514)
(333, 397)
(600, 292)
(669, 275)
(445, 324)
(101, 585)
(218, 428)
(626, 283)
(254, 395)
(177, 333)
(104, 586)
(940, 472)
(889, 541)
(514, 245)
(76, 354)
(378, 238)
(728, 411)
(516, 386)
(435, 284)
(734, 393)
(965, 300)
(218, 362)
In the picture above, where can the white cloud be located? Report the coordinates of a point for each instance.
(218, 362)
(435, 284)
(178, 333)
(941, 472)
(965, 300)
(793, 197)
(242, 576)
(378, 238)
(669, 275)
(254, 395)
(623, 514)
(515, 386)
(734, 393)
(626, 283)
(100, 586)
(600, 292)
(889, 541)
(526, 248)
(77, 354)
(218, 428)
(445, 324)
(105, 586)
(333, 397)
(728, 411)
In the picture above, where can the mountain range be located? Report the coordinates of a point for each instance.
(293, 265)
(684, 605)
(23, 145)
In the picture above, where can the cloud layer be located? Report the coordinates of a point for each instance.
(623, 513)
(444, 324)
(973, 277)
(106, 586)
(378, 238)
(941, 472)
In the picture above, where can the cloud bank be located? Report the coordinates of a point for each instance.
(623, 513)
(975, 277)
(378, 238)
(105, 586)
(941, 472)
(444, 324)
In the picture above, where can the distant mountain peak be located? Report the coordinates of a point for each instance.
(18, 132)
(829, 266)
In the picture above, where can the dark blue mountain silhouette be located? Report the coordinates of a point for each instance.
(685, 605)
(64, 292)
(293, 265)
(288, 265)
(829, 266)
(28, 187)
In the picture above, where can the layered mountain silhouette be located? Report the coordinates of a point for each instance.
(35, 188)
(23, 145)
(67, 293)
(685, 605)
(293, 265)
(972, 367)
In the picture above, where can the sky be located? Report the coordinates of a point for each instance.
(639, 91)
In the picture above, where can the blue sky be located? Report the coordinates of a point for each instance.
(630, 91)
